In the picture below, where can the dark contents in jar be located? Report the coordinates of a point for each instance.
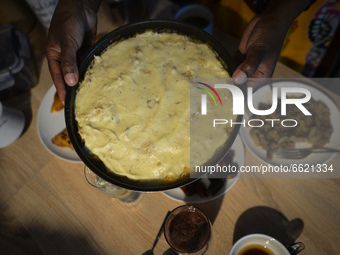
(189, 231)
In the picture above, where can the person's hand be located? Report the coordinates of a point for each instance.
(263, 37)
(260, 48)
(72, 29)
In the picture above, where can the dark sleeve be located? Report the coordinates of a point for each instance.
(311, 3)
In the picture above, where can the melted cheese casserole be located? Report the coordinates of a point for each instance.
(133, 106)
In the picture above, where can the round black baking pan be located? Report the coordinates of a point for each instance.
(119, 34)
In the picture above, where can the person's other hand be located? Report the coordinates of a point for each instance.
(260, 47)
(263, 37)
(73, 28)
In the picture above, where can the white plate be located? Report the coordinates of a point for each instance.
(49, 125)
(263, 94)
(178, 194)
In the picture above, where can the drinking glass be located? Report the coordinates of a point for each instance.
(124, 195)
(188, 230)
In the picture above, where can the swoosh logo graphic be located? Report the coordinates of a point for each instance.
(212, 89)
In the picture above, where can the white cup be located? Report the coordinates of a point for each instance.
(266, 242)
(12, 122)
(197, 14)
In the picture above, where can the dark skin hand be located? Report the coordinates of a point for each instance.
(259, 58)
(73, 29)
(263, 37)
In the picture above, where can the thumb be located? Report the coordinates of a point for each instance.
(246, 34)
(253, 59)
(68, 63)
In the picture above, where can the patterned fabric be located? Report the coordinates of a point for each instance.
(321, 31)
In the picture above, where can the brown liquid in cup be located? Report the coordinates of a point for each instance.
(255, 249)
(189, 231)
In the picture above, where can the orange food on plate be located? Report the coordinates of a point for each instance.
(57, 104)
(62, 140)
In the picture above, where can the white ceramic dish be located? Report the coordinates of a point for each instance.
(50, 124)
(239, 157)
(263, 94)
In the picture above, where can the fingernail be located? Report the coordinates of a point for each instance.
(239, 77)
(71, 79)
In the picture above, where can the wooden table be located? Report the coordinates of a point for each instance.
(47, 207)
